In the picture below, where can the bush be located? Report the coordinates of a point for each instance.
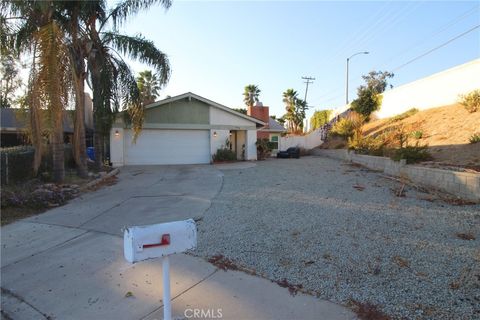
(403, 115)
(418, 134)
(471, 101)
(367, 102)
(412, 154)
(366, 145)
(475, 138)
(264, 148)
(224, 154)
(345, 127)
(319, 118)
(16, 164)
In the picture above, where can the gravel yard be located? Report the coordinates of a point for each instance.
(342, 233)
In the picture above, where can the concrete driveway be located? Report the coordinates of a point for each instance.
(68, 262)
(143, 195)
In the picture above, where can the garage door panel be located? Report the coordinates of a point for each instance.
(168, 147)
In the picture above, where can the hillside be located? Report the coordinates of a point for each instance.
(446, 130)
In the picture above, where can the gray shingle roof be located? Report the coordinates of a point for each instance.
(275, 126)
(12, 119)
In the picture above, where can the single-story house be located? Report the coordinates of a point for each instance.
(272, 130)
(185, 129)
(14, 125)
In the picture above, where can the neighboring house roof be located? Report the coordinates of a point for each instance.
(10, 121)
(205, 100)
(13, 120)
(274, 126)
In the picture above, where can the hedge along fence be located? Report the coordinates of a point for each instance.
(17, 163)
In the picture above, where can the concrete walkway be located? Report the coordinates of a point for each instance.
(68, 263)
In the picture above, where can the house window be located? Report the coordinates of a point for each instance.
(274, 141)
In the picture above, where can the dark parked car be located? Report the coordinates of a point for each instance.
(292, 152)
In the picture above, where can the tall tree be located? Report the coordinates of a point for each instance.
(149, 86)
(319, 118)
(295, 111)
(289, 98)
(251, 94)
(37, 31)
(113, 83)
(369, 95)
(377, 81)
(10, 80)
(76, 13)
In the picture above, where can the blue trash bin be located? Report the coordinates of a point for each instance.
(91, 153)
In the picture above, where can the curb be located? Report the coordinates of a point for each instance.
(97, 181)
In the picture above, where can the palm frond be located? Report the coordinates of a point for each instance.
(132, 102)
(128, 8)
(54, 73)
(140, 49)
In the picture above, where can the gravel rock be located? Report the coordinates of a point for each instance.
(340, 232)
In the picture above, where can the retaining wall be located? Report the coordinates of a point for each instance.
(465, 185)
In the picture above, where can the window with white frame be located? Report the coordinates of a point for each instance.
(274, 141)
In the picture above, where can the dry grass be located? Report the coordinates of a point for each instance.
(446, 130)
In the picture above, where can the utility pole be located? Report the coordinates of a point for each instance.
(307, 81)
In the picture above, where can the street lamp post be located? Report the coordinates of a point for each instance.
(348, 60)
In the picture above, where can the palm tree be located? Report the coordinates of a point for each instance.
(38, 32)
(149, 86)
(113, 83)
(56, 31)
(251, 94)
(295, 111)
(76, 13)
(290, 97)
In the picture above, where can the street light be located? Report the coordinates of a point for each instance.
(348, 59)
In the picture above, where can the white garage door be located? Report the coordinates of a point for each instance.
(168, 147)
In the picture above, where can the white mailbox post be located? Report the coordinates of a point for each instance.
(160, 240)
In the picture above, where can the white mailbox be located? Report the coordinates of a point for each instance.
(159, 240)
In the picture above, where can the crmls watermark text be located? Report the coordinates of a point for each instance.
(197, 313)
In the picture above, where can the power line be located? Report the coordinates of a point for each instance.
(436, 48)
(435, 33)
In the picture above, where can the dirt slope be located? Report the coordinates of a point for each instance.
(446, 130)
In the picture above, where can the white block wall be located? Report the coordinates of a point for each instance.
(437, 90)
(440, 89)
(308, 141)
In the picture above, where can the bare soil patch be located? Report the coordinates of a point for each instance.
(446, 130)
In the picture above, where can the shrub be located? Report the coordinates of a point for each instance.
(264, 148)
(475, 138)
(367, 102)
(224, 154)
(366, 145)
(319, 118)
(418, 134)
(403, 115)
(471, 101)
(412, 154)
(345, 127)
(16, 164)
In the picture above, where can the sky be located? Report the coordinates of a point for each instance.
(216, 48)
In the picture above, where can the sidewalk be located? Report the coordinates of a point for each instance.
(56, 272)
